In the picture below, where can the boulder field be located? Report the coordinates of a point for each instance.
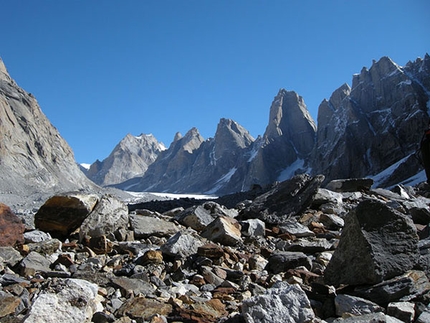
(291, 252)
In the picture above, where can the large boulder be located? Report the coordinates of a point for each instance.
(11, 227)
(63, 214)
(109, 215)
(377, 243)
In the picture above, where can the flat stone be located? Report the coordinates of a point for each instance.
(132, 285)
(352, 305)
(10, 256)
(71, 301)
(146, 226)
(144, 308)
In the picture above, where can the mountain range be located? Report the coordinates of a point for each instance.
(363, 129)
(370, 128)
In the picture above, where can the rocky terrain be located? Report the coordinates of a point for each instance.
(289, 252)
(362, 130)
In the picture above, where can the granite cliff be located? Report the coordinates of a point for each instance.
(35, 160)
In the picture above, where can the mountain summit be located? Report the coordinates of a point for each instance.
(363, 130)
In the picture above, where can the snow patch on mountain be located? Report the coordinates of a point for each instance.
(222, 181)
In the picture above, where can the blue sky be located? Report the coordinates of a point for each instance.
(102, 69)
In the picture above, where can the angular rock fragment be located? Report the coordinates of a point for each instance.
(146, 226)
(108, 216)
(281, 303)
(182, 244)
(224, 230)
(377, 243)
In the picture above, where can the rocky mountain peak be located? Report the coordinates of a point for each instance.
(4, 75)
(290, 120)
(130, 158)
(192, 140)
(230, 134)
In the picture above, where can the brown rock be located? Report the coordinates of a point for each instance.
(144, 308)
(63, 214)
(210, 250)
(203, 312)
(11, 227)
(8, 304)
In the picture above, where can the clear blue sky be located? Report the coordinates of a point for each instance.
(102, 69)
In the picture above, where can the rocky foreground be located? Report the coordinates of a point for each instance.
(296, 252)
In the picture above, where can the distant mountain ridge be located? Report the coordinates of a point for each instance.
(362, 130)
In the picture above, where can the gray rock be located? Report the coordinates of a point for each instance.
(282, 261)
(182, 244)
(72, 301)
(253, 228)
(295, 228)
(324, 196)
(281, 303)
(404, 311)
(196, 217)
(108, 216)
(310, 245)
(224, 230)
(34, 263)
(402, 288)
(356, 306)
(145, 226)
(332, 221)
(45, 247)
(130, 286)
(36, 236)
(369, 318)
(377, 243)
(10, 256)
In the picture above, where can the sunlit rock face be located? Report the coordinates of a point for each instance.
(34, 158)
(130, 158)
(375, 123)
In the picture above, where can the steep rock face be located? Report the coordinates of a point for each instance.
(129, 159)
(172, 166)
(376, 123)
(34, 158)
(287, 142)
